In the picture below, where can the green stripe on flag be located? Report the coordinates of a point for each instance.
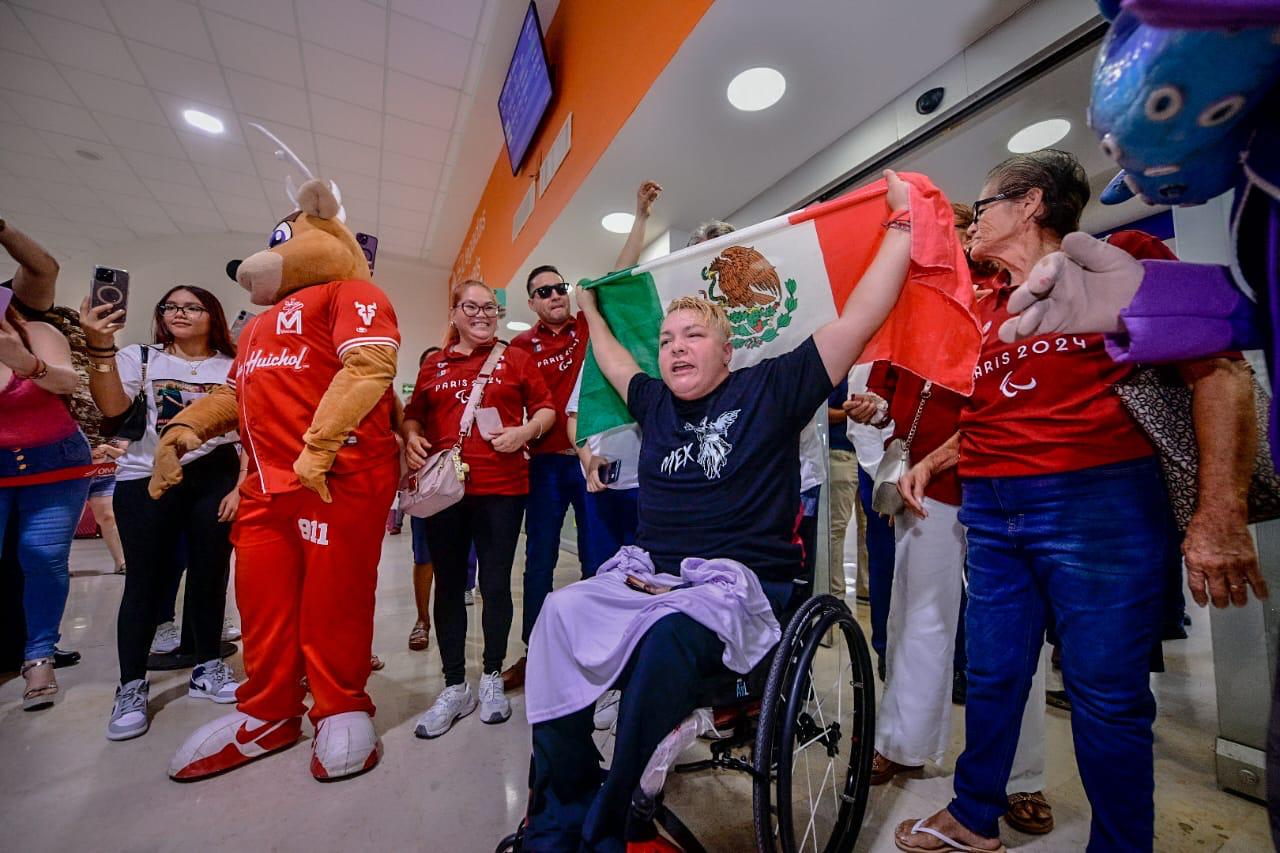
(630, 304)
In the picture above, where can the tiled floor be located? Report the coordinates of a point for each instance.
(63, 786)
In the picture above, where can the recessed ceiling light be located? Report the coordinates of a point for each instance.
(202, 121)
(757, 89)
(518, 326)
(1042, 134)
(618, 223)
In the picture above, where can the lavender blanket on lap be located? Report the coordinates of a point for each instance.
(587, 631)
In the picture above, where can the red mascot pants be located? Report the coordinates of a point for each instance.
(306, 574)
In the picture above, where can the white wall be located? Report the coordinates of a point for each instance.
(157, 263)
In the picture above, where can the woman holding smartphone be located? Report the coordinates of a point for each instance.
(497, 486)
(190, 356)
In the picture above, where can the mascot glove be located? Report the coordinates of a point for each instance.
(1081, 289)
(166, 472)
(311, 466)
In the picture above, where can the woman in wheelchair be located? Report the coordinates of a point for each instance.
(719, 477)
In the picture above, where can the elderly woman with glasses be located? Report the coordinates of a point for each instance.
(189, 357)
(497, 486)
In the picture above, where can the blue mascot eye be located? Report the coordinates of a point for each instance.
(282, 233)
(1164, 103)
(1220, 112)
(1110, 148)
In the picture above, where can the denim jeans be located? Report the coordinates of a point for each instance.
(880, 556)
(611, 523)
(43, 520)
(1087, 550)
(555, 482)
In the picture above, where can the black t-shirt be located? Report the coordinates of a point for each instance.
(720, 476)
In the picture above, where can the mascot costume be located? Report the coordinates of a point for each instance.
(310, 393)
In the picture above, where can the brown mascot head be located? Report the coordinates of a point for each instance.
(309, 246)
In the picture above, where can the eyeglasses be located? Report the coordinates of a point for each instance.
(471, 309)
(987, 202)
(189, 310)
(546, 290)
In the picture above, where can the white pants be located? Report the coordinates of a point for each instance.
(913, 726)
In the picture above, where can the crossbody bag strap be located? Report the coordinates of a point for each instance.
(925, 393)
(477, 391)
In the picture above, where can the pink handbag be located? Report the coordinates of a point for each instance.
(442, 481)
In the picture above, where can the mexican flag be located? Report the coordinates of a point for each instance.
(780, 280)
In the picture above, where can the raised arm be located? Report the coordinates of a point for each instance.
(615, 362)
(843, 339)
(37, 273)
(645, 197)
(46, 361)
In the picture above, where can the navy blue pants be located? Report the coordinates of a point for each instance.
(555, 483)
(612, 520)
(880, 548)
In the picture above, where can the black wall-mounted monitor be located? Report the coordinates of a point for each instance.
(526, 93)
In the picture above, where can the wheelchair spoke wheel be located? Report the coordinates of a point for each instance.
(814, 747)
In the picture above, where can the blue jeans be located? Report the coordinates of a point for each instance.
(1084, 549)
(43, 519)
(612, 520)
(555, 482)
(880, 548)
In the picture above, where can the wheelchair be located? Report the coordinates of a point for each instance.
(801, 725)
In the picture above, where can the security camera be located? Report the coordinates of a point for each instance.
(930, 100)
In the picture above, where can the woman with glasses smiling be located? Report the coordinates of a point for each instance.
(190, 356)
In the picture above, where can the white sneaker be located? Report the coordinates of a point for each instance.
(230, 631)
(345, 745)
(213, 680)
(167, 639)
(469, 597)
(454, 703)
(607, 710)
(494, 707)
(129, 713)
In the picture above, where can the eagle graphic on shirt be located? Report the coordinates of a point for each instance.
(713, 449)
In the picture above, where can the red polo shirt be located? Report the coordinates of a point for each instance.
(440, 396)
(288, 356)
(938, 421)
(558, 355)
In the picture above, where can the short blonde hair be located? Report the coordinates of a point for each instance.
(711, 314)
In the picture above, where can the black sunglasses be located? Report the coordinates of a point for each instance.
(546, 290)
(987, 202)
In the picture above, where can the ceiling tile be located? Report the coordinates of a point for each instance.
(40, 226)
(107, 232)
(176, 26)
(261, 97)
(409, 198)
(224, 155)
(426, 51)
(344, 77)
(162, 168)
(420, 100)
(196, 221)
(33, 77)
(81, 47)
(355, 28)
(117, 97)
(457, 16)
(174, 106)
(255, 49)
(396, 217)
(18, 206)
(58, 193)
(353, 186)
(87, 12)
(44, 114)
(401, 241)
(170, 193)
(13, 36)
(109, 183)
(181, 75)
(347, 155)
(345, 121)
(234, 183)
(145, 226)
(134, 206)
(17, 137)
(250, 209)
(39, 169)
(151, 138)
(276, 14)
(66, 147)
(410, 171)
(82, 213)
(416, 140)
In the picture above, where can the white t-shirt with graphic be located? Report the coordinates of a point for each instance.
(621, 443)
(172, 385)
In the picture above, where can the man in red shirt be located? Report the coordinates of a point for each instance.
(557, 344)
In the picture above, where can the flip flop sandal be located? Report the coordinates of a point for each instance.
(42, 695)
(1030, 812)
(883, 769)
(953, 846)
(375, 663)
(419, 637)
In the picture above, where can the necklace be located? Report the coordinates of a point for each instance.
(193, 364)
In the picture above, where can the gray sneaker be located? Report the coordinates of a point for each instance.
(129, 714)
(454, 703)
(469, 597)
(606, 713)
(167, 639)
(215, 681)
(494, 707)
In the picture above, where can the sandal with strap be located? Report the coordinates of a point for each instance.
(1029, 812)
(419, 637)
(42, 686)
(884, 769)
(952, 846)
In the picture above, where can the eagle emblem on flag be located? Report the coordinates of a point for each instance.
(747, 286)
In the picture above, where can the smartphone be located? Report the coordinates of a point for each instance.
(238, 325)
(489, 422)
(651, 588)
(110, 287)
(368, 245)
(610, 471)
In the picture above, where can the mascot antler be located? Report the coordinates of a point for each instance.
(285, 154)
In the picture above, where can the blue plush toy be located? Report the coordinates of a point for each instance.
(1176, 108)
